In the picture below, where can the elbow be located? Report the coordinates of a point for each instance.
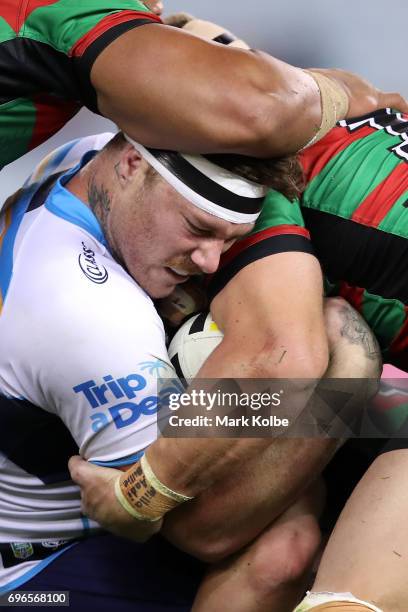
(295, 360)
(256, 126)
(211, 551)
(309, 363)
(240, 125)
(206, 547)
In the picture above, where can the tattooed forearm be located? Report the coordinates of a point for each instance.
(356, 331)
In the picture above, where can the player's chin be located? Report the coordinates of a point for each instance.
(163, 292)
(161, 282)
(160, 290)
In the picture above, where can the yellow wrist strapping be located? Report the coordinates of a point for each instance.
(128, 507)
(159, 486)
(141, 493)
(334, 102)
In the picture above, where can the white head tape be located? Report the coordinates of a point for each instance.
(206, 185)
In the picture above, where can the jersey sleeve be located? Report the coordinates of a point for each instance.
(66, 156)
(110, 401)
(65, 38)
(279, 228)
(97, 355)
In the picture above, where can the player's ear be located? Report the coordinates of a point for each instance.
(129, 164)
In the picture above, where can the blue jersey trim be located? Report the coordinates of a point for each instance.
(118, 462)
(7, 248)
(33, 571)
(61, 203)
(66, 205)
(86, 525)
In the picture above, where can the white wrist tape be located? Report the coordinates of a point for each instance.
(315, 601)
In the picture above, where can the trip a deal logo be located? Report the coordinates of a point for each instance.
(90, 267)
(120, 400)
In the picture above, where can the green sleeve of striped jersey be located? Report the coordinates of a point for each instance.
(63, 23)
(6, 31)
(278, 210)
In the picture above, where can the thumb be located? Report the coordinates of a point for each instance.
(79, 469)
(85, 473)
(393, 100)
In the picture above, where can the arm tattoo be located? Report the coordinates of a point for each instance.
(356, 331)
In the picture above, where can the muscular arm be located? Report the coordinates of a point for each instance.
(272, 317)
(271, 314)
(201, 96)
(190, 94)
(227, 516)
(271, 330)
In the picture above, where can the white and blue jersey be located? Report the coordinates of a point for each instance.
(82, 347)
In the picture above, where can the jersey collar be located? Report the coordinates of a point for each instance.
(64, 204)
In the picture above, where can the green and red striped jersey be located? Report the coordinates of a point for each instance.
(353, 214)
(47, 49)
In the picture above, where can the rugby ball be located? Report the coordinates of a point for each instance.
(193, 343)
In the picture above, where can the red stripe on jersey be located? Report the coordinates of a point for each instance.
(106, 24)
(314, 158)
(380, 201)
(50, 117)
(15, 12)
(243, 244)
(352, 295)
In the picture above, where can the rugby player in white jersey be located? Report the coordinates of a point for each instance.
(82, 255)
